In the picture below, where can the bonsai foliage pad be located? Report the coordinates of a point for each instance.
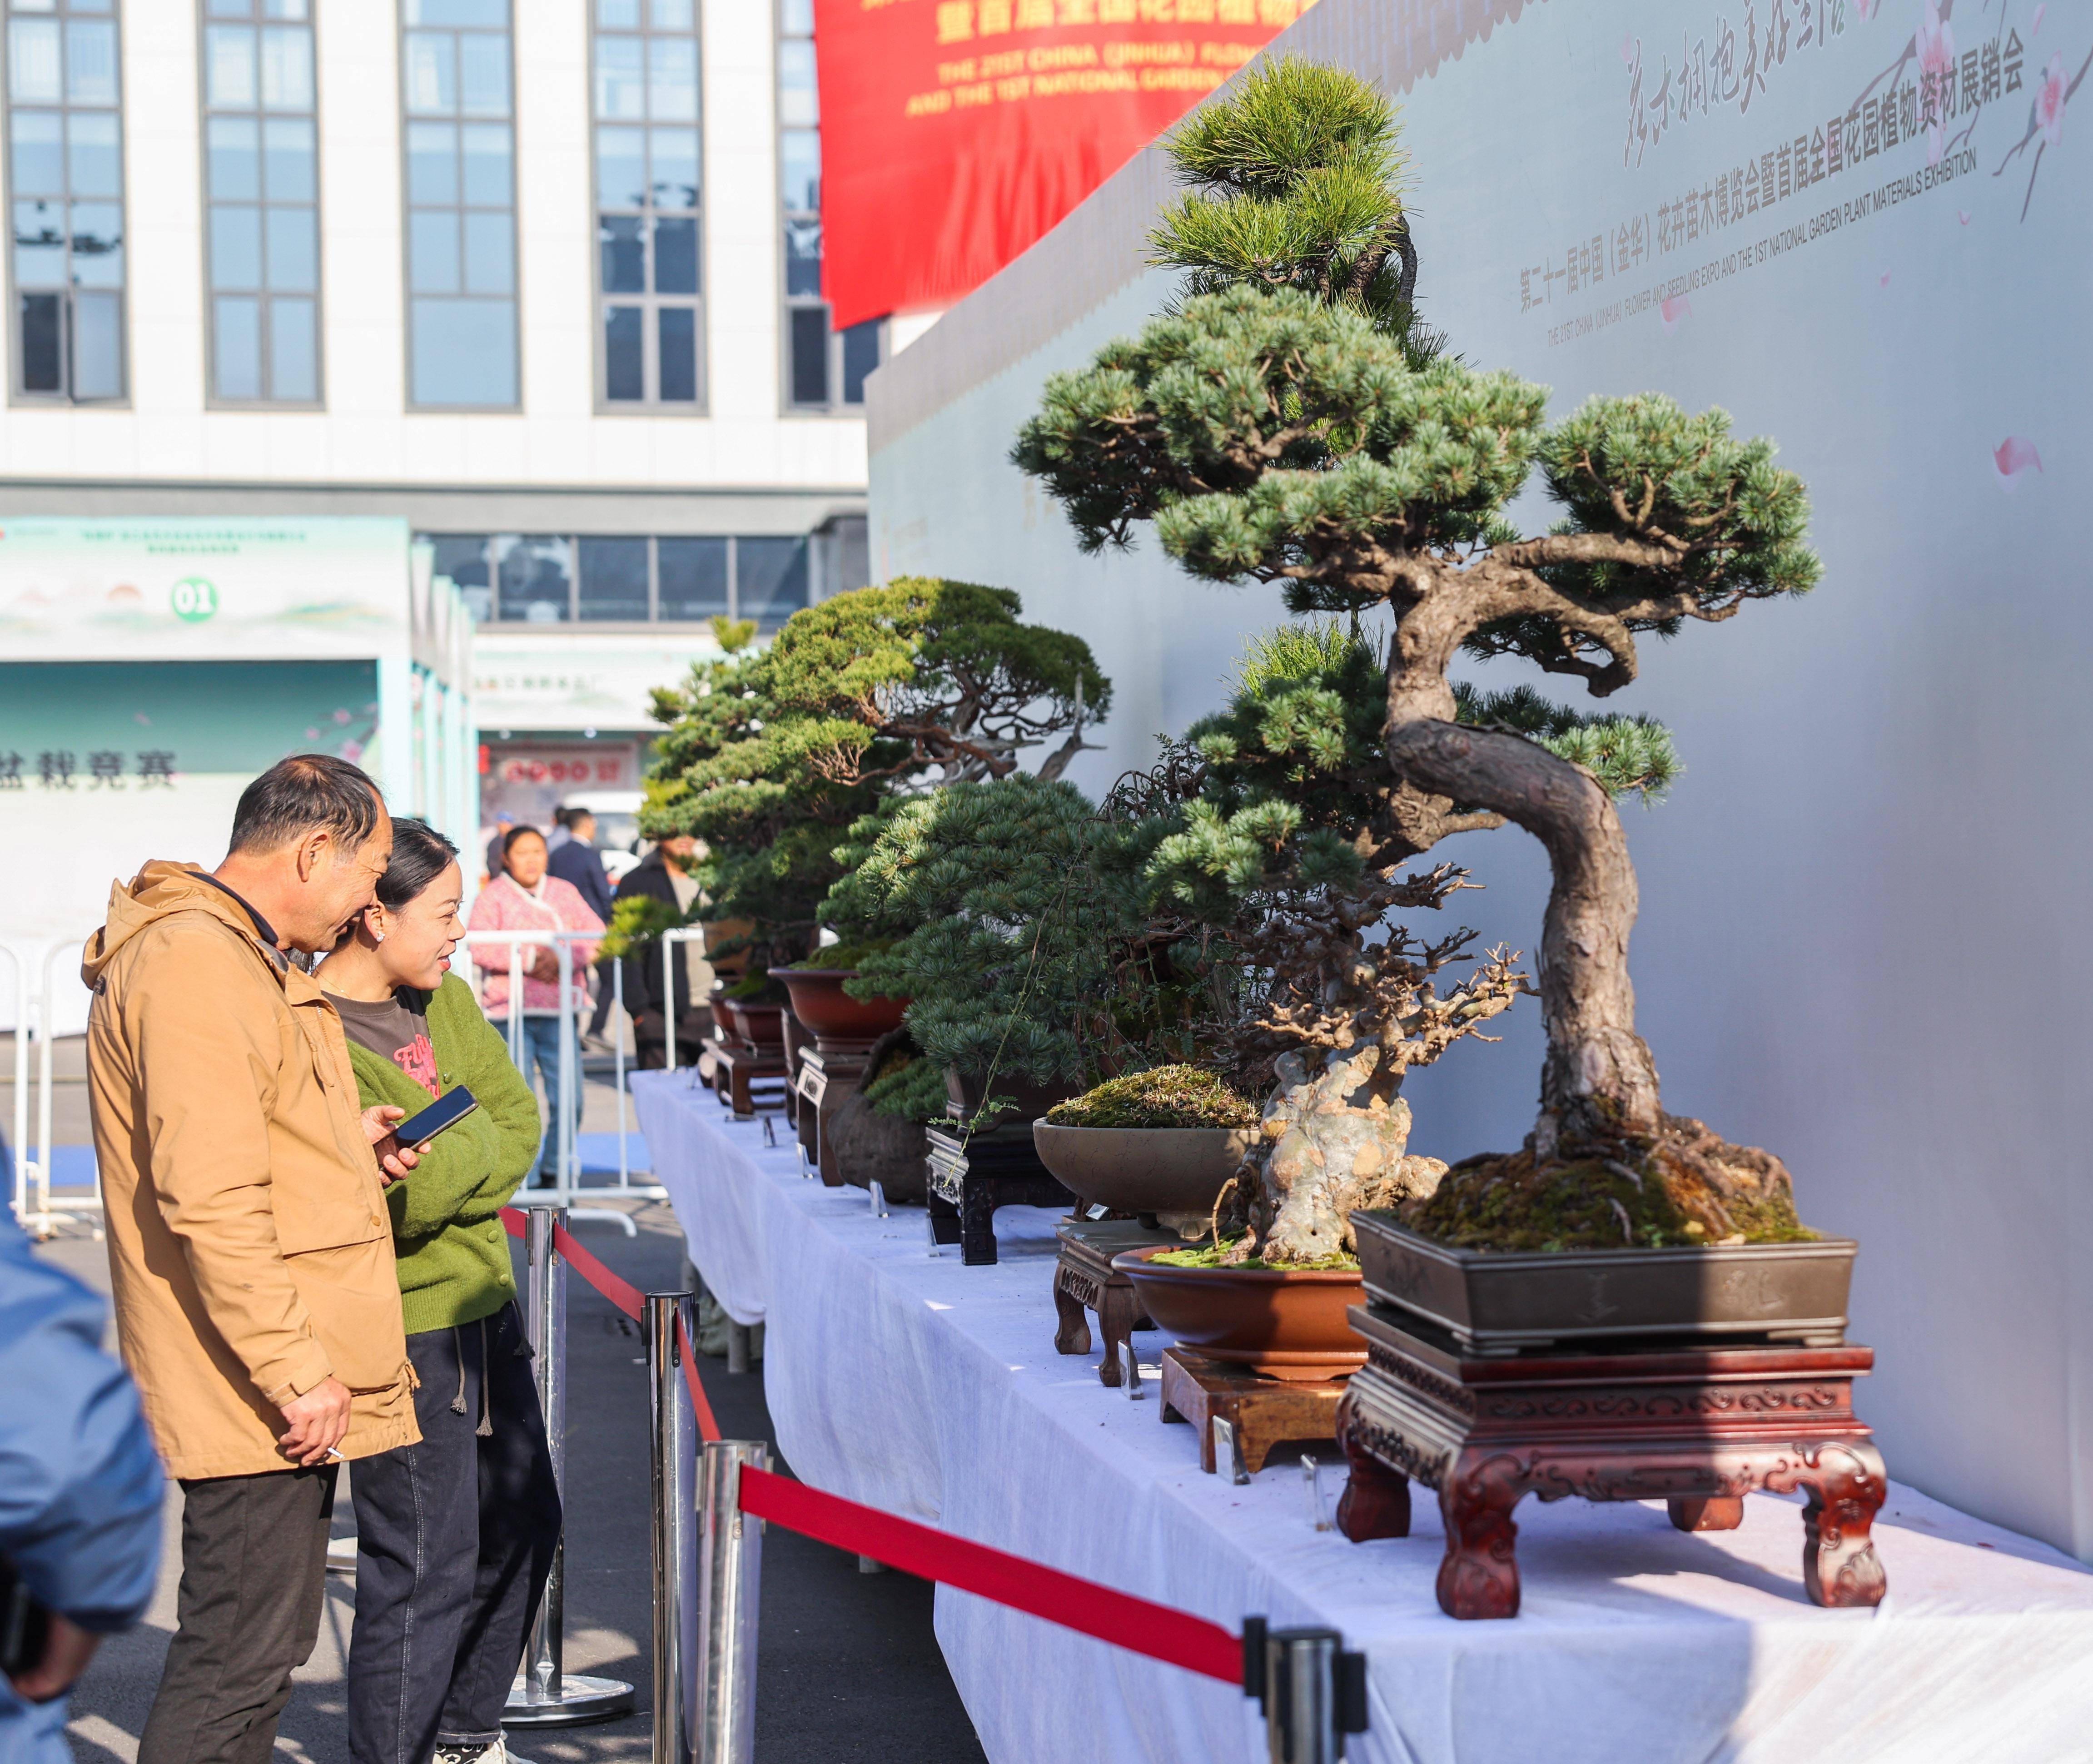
(1698, 1428)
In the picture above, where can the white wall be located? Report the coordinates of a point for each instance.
(1863, 942)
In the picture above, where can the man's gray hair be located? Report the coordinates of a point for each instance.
(307, 793)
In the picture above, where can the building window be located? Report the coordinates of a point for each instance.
(455, 93)
(825, 370)
(557, 579)
(261, 187)
(648, 274)
(65, 130)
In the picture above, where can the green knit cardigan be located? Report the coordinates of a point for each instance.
(447, 1230)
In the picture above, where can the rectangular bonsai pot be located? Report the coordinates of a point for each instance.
(1494, 1302)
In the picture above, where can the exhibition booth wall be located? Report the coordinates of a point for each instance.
(1859, 230)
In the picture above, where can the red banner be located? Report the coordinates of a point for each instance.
(954, 132)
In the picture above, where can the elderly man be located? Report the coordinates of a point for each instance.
(250, 1246)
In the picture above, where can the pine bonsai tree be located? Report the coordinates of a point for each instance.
(1278, 437)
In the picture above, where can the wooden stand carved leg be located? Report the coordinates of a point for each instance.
(1479, 1576)
(977, 1226)
(1072, 1331)
(1116, 1310)
(1839, 1567)
(744, 1104)
(1710, 1513)
(1375, 1502)
(944, 1220)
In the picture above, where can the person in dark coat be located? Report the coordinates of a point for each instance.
(576, 860)
(664, 875)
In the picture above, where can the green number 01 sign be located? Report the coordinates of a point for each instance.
(194, 598)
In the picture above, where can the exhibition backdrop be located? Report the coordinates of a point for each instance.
(1864, 229)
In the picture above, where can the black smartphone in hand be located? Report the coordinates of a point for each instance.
(447, 1111)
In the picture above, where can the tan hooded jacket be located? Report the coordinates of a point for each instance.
(250, 1246)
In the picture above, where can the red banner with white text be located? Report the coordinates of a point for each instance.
(954, 132)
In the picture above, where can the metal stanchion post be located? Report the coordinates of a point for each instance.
(673, 1437)
(669, 1025)
(544, 1694)
(730, 1587)
(1312, 1691)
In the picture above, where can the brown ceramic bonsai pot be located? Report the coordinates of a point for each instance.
(967, 1092)
(831, 1013)
(1175, 1173)
(1507, 1301)
(761, 1025)
(722, 1014)
(1287, 1324)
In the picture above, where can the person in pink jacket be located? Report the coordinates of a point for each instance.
(523, 897)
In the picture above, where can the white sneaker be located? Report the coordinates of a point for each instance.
(496, 1753)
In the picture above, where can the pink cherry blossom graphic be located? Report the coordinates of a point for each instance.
(2012, 460)
(2035, 28)
(2049, 100)
(1674, 311)
(1628, 50)
(1885, 282)
(1868, 9)
(1962, 214)
(1935, 42)
(352, 751)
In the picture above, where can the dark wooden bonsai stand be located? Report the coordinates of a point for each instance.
(1084, 1278)
(1696, 1426)
(827, 1071)
(738, 1065)
(1264, 1412)
(966, 1180)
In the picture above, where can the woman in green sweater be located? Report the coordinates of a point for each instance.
(456, 1535)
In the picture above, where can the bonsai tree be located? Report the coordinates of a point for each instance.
(1278, 437)
(770, 754)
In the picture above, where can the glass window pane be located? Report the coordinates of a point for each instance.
(35, 5)
(675, 257)
(294, 251)
(533, 576)
(802, 257)
(97, 244)
(624, 354)
(493, 12)
(90, 62)
(795, 18)
(691, 577)
(235, 247)
(432, 251)
(675, 166)
(236, 346)
(287, 69)
(431, 73)
(487, 183)
(799, 168)
(679, 353)
(483, 74)
(618, 14)
(235, 168)
(490, 255)
(34, 61)
(230, 9)
(284, 9)
(674, 15)
(622, 249)
(464, 352)
(40, 252)
(621, 167)
(810, 355)
(621, 87)
(613, 584)
(294, 356)
(861, 357)
(289, 165)
(431, 163)
(39, 164)
(228, 56)
(672, 78)
(799, 102)
(464, 559)
(42, 350)
(94, 155)
(98, 346)
(770, 578)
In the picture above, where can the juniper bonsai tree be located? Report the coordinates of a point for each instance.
(1280, 437)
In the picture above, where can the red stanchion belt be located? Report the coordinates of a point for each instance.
(1135, 1624)
(627, 1297)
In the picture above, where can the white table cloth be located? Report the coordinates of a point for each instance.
(905, 1380)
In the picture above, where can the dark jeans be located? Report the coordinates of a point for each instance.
(454, 1538)
(254, 1570)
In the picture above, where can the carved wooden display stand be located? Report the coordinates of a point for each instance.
(968, 1179)
(1264, 1412)
(827, 1071)
(737, 1067)
(1084, 1278)
(1697, 1427)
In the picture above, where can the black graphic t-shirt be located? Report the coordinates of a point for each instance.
(397, 1028)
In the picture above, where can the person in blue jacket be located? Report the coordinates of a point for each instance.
(79, 1488)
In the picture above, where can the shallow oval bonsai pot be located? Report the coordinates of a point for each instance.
(722, 1014)
(1507, 1302)
(1288, 1323)
(761, 1025)
(968, 1091)
(831, 1014)
(1176, 1173)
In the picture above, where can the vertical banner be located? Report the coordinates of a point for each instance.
(954, 132)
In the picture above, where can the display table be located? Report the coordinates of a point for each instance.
(933, 1390)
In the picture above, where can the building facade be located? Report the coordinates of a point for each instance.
(538, 277)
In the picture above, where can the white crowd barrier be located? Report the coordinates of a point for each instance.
(34, 967)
